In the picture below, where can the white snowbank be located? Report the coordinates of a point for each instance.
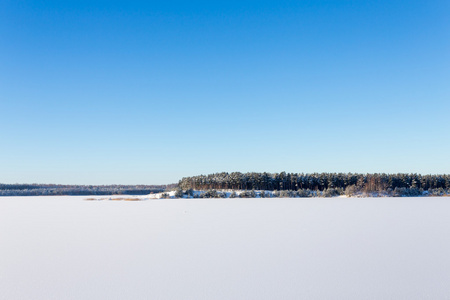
(336, 248)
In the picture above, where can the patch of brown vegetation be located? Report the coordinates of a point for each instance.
(132, 199)
(114, 199)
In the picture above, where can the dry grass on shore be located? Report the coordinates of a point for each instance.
(114, 199)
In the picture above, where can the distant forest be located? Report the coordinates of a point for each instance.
(58, 189)
(331, 183)
(282, 184)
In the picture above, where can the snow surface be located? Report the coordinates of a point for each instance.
(319, 248)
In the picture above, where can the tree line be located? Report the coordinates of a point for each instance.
(59, 189)
(283, 181)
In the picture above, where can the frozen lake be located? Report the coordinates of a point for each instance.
(338, 248)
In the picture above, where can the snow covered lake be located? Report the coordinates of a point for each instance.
(335, 248)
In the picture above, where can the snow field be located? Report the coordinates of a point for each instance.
(279, 248)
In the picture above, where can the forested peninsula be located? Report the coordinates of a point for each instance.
(320, 184)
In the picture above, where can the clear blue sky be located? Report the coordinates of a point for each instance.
(100, 92)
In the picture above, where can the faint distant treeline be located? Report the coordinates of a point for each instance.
(283, 181)
(57, 189)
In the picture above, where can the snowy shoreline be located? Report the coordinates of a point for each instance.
(243, 194)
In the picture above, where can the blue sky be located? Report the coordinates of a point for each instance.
(128, 92)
